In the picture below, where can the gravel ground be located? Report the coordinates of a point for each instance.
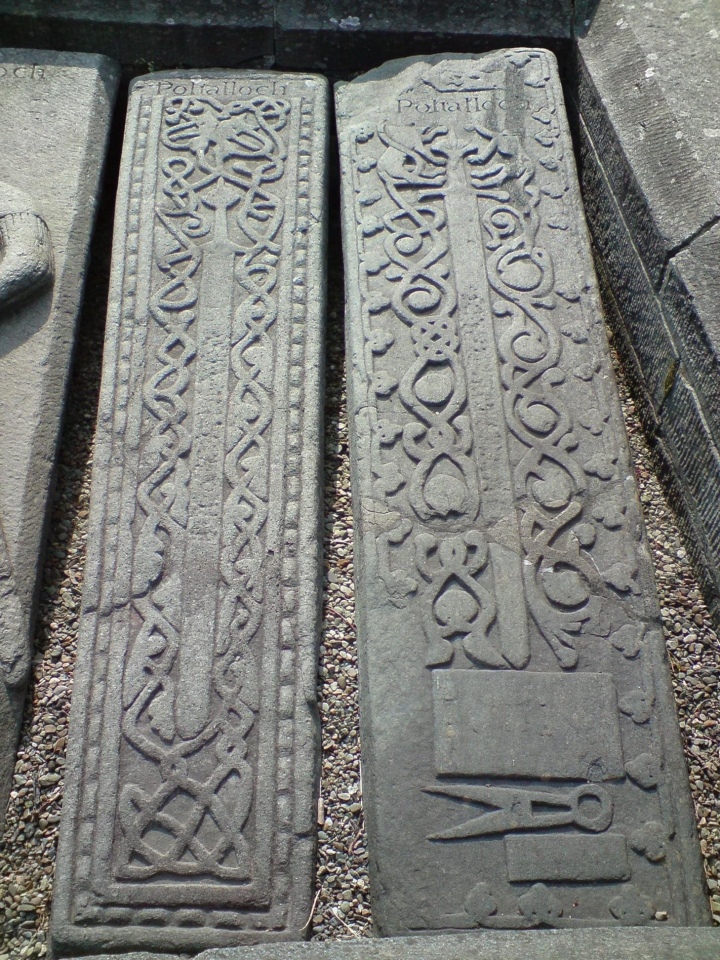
(27, 847)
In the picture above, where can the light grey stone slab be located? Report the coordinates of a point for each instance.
(522, 762)
(54, 115)
(193, 756)
(663, 943)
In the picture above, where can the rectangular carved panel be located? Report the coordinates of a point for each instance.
(188, 820)
(521, 754)
(563, 726)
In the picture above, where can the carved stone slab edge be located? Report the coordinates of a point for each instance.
(413, 605)
(260, 887)
(52, 156)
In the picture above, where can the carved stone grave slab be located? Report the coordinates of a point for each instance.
(55, 113)
(192, 766)
(522, 763)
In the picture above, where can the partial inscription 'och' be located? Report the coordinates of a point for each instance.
(190, 822)
(516, 707)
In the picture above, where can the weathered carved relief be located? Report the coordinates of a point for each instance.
(27, 260)
(196, 752)
(509, 626)
(26, 267)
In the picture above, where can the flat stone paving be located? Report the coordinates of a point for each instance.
(522, 762)
(55, 114)
(189, 815)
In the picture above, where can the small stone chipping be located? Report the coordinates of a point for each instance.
(342, 908)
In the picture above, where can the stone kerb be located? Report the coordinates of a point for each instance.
(645, 95)
(522, 762)
(192, 770)
(55, 111)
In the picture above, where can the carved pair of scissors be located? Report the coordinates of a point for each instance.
(519, 809)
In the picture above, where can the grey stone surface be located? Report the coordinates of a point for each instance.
(54, 115)
(222, 33)
(664, 943)
(646, 90)
(514, 688)
(344, 37)
(192, 763)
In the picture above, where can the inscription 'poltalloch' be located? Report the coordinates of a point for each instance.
(190, 823)
(516, 704)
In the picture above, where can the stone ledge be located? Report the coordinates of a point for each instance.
(669, 943)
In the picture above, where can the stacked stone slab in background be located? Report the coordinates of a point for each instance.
(522, 763)
(647, 97)
(192, 770)
(54, 115)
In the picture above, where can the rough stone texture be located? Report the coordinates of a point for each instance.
(645, 96)
(223, 33)
(344, 37)
(497, 524)
(660, 944)
(193, 757)
(54, 113)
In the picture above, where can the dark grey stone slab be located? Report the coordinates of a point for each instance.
(522, 758)
(221, 33)
(631, 73)
(54, 115)
(193, 757)
(645, 97)
(343, 37)
(662, 943)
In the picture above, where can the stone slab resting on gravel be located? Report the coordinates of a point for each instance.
(55, 111)
(193, 758)
(521, 755)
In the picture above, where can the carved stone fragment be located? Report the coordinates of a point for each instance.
(192, 767)
(521, 754)
(55, 113)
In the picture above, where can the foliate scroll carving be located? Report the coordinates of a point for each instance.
(490, 448)
(26, 255)
(209, 767)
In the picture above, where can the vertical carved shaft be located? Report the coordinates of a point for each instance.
(205, 530)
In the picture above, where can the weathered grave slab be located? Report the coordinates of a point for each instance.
(192, 763)
(54, 115)
(645, 93)
(522, 758)
(142, 34)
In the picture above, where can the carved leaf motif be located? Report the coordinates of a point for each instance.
(380, 341)
(650, 840)
(384, 383)
(375, 260)
(388, 432)
(631, 908)
(610, 512)
(480, 903)
(643, 770)
(149, 559)
(574, 330)
(389, 479)
(600, 466)
(621, 576)
(138, 668)
(377, 302)
(637, 705)
(628, 639)
(539, 905)
(593, 420)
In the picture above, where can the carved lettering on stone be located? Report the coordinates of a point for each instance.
(516, 703)
(196, 750)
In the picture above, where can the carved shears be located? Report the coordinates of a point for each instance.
(588, 807)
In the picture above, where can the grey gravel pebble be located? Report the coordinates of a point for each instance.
(342, 909)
